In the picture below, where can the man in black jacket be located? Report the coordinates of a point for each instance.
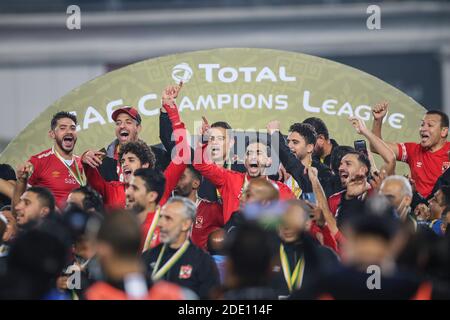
(177, 259)
(297, 155)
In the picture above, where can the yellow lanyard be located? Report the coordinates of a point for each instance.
(151, 230)
(295, 188)
(158, 274)
(294, 280)
(78, 177)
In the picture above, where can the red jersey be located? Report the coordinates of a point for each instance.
(231, 184)
(426, 166)
(209, 217)
(50, 172)
(334, 201)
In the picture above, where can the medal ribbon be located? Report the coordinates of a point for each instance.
(78, 177)
(294, 280)
(151, 230)
(158, 274)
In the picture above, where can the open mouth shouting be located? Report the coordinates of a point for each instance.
(253, 169)
(127, 174)
(124, 135)
(424, 138)
(343, 175)
(68, 142)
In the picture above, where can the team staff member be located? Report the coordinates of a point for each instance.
(177, 260)
(57, 169)
(232, 185)
(135, 155)
(299, 259)
(209, 214)
(427, 159)
(118, 241)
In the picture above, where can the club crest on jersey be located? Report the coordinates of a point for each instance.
(185, 271)
(55, 174)
(445, 166)
(199, 222)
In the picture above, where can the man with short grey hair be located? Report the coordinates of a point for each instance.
(177, 259)
(399, 192)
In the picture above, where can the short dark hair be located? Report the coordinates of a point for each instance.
(154, 180)
(362, 158)
(443, 115)
(62, 115)
(197, 175)
(45, 197)
(319, 126)
(92, 199)
(121, 230)
(141, 150)
(224, 125)
(262, 138)
(250, 249)
(336, 156)
(306, 131)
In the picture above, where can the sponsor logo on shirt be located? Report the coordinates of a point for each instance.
(199, 222)
(185, 271)
(70, 181)
(419, 164)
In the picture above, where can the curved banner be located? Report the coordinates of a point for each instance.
(245, 87)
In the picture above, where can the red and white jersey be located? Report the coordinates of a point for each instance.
(209, 217)
(50, 172)
(426, 166)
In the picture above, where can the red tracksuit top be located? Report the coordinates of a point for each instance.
(230, 184)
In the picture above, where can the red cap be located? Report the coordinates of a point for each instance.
(132, 112)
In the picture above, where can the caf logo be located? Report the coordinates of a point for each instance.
(182, 72)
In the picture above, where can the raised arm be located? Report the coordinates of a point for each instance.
(181, 153)
(378, 145)
(379, 111)
(23, 174)
(322, 201)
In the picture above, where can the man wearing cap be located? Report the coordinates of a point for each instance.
(128, 126)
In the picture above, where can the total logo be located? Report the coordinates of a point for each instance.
(214, 72)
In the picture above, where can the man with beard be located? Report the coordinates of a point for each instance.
(297, 155)
(324, 145)
(428, 159)
(146, 193)
(57, 169)
(36, 204)
(135, 155)
(232, 185)
(209, 214)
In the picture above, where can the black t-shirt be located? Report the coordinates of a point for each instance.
(195, 270)
(6, 173)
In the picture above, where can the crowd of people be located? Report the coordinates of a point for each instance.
(294, 217)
